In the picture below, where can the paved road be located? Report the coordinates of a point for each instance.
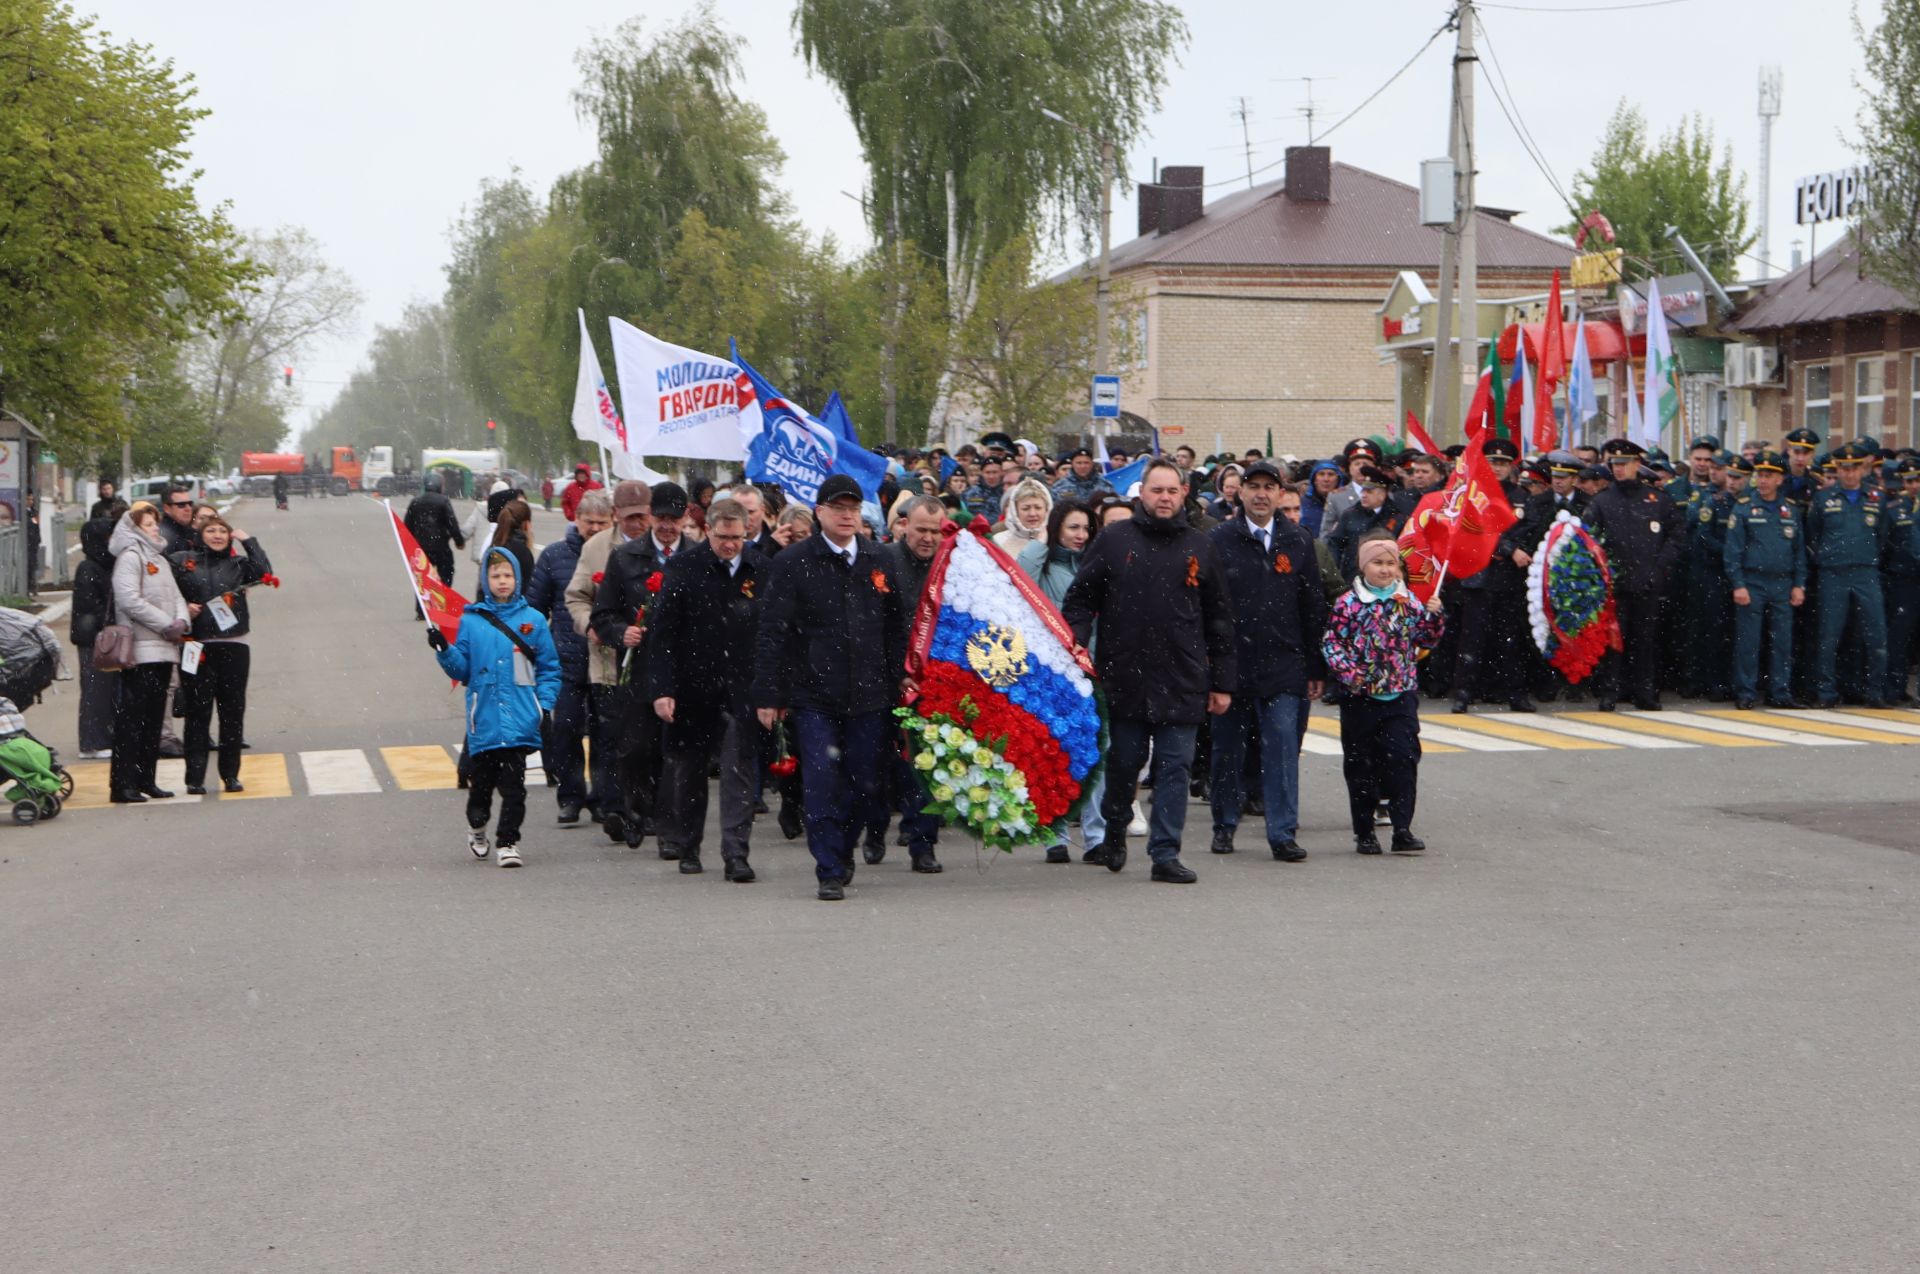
(1638, 1010)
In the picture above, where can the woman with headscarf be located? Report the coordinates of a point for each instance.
(146, 599)
(1027, 509)
(214, 575)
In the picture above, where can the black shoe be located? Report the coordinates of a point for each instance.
(1367, 844)
(1255, 807)
(738, 872)
(1097, 854)
(1197, 789)
(172, 749)
(927, 865)
(1877, 704)
(790, 820)
(636, 832)
(1461, 702)
(127, 798)
(876, 850)
(1222, 840)
(1174, 873)
(1405, 842)
(759, 807)
(1114, 856)
(1058, 854)
(690, 866)
(831, 891)
(569, 814)
(846, 872)
(1787, 705)
(901, 838)
(1605, 705)
(233, 785)
(157, 793)
(1288, 852)
(1646, 705)
(1827, 703)
(1522, 704)
(1746, 703)
(196, 789)
(615, 827)
(669, 852)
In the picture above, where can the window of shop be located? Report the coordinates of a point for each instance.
(1816, 398)
(1869, 395)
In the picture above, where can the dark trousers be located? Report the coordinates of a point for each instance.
(603, 732)
(1491, 663)
(502, 770)
(911, 795)
(1710, 633)
(136, 725)
(562, 744)
(683, 790)
(1768, 613)
(221, 683)
(1380, 757)
(1903, 621)
(638, 760)
(99, 692)
(1127, 748)
(841, 760)
(1636, 670)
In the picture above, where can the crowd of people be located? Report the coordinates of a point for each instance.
(165, 589)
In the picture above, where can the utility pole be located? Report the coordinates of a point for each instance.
(1103, 287)
(1463, 74)
(1444, 415)
(1769, 107)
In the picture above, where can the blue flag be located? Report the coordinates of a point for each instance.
(797, 452)
(1123, 478)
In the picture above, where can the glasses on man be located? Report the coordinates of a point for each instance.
(179, 504)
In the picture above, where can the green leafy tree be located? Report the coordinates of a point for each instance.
(1643, 186)
(104, 247)
(946, 98)
(1023, 353)
(1889, 142)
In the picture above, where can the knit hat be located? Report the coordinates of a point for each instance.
(1378, 550)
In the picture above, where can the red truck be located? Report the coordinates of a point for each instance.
(346, 473)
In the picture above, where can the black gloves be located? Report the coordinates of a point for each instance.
(546, 722)
(436, 638)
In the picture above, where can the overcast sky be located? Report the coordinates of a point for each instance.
(371, 124)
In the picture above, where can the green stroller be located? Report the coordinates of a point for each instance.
(36, 785)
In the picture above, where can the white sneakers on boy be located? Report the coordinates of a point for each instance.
(477, 843)
(508, 856)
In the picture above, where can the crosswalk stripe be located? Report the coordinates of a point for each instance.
(1506, 728)
(1319, 745)
(1715, 738)
(1605, 734)
(1467, 741)
(424, 767)
(1869, 717)
(1740, 725)
(1328, 729)
(264, 775)
(89, 785)
(338, 772)
(1791, 720)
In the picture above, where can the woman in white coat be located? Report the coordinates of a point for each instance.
(147, 600)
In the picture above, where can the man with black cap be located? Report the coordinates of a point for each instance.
(1375, 512)
(633, 579)
(1495, 656)
(1562, 495)
(1279, 618)
(1765, 559)
(1083, 480)
(1846, 534)
(832, 651)
(1639, 527)
(1801, 480)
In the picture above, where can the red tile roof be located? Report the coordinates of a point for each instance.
(1371, 221)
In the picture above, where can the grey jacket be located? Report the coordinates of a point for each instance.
(145, 596)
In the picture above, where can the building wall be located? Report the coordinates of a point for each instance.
(1863, 360)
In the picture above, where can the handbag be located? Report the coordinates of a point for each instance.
(113, 645)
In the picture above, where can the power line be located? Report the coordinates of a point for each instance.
(1524, 134)
(1439, 31)
(1586, 8)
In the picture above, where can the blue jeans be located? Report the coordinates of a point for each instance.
(1279, 720)
(1093, 825)
(841, 760)
(1172, 746)
(1770, 609)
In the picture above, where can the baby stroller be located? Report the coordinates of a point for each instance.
(29, 657)
(37, 786)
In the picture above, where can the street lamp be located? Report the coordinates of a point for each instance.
(1103, 287)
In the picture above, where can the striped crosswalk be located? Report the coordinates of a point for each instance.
(430, 767)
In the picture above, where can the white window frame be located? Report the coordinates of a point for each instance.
(1877, 401)
(1808, 402)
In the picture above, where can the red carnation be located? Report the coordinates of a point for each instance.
(598, 576)
(192, 565)
(654, 581)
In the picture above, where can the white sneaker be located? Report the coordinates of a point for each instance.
(508, 856)
(477, 843)
(102, 754)
(1138, 827)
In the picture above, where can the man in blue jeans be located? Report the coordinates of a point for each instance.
(1279, 618)
(1165, 656)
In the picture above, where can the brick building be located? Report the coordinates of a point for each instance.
(1831, 349)
(1261, 310)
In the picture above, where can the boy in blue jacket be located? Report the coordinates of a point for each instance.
(504, 656)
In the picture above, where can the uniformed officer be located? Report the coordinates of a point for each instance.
(1494, 645)
(1709, 605)
(1846, 531)
(1801, 482)
(1900, 576)
(1562, 470)
(1765, 558)
(1638, 525)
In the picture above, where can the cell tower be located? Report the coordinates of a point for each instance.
(1769, 107)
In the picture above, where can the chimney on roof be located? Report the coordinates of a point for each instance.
(1309, 174)
(1175, 201)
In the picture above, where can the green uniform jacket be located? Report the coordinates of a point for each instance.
(1903, 537)
(1766, 538)
(1847, 534)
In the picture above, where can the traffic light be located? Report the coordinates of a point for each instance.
(491, 426)
(288, 373)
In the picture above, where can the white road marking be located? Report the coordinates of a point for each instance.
(1754, 730)
(338, 772)
(1581, 730)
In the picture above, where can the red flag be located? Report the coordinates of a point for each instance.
(443, 605)
(1553, 365)
(1456, 527)
(1418, 436)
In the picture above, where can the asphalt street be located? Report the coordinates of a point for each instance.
(1635, 1010)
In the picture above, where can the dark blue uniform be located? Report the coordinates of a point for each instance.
(1709, 605)
(1846, 531)
(1900, 576)
(1766, 554)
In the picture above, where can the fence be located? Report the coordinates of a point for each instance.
(54, 572)
(13, 560)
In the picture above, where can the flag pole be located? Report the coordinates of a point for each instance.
(393, 522)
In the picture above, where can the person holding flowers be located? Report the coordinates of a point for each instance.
(215, 575)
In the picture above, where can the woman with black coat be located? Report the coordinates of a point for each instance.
(93, 611)
(513, 531)
(215, 576)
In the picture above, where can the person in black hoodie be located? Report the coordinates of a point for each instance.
(435, 527)
(700, 660)
(93, 611)
(1165, 655)
(215, 576)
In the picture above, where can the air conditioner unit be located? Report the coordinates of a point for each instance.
(1751, 366)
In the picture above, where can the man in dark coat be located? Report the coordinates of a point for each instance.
(1561, 496)
(431, 521)
(1279, 618)
(1165, 655)
(832, 651)
(622, 608)
(1494, 656)
(562, 748)
(176, 520)
(1640, 529)
(699, 663)
(911, 557)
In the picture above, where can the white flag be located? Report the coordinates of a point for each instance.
(595, 419)
(1662, 397)
(1633, 407)
(679, 402)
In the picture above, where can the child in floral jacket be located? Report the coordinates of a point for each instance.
(1374, 636)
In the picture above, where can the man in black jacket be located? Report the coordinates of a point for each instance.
(699, 662)
(622, 609)
(1165, 656)
(1639, 526)
(832, 650)
(911, 557)
(431, 521)
(1279, 618)
(1374, 513)
(1562, 496)
(1495, 634)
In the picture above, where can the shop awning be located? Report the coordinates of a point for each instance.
(1606, 343)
